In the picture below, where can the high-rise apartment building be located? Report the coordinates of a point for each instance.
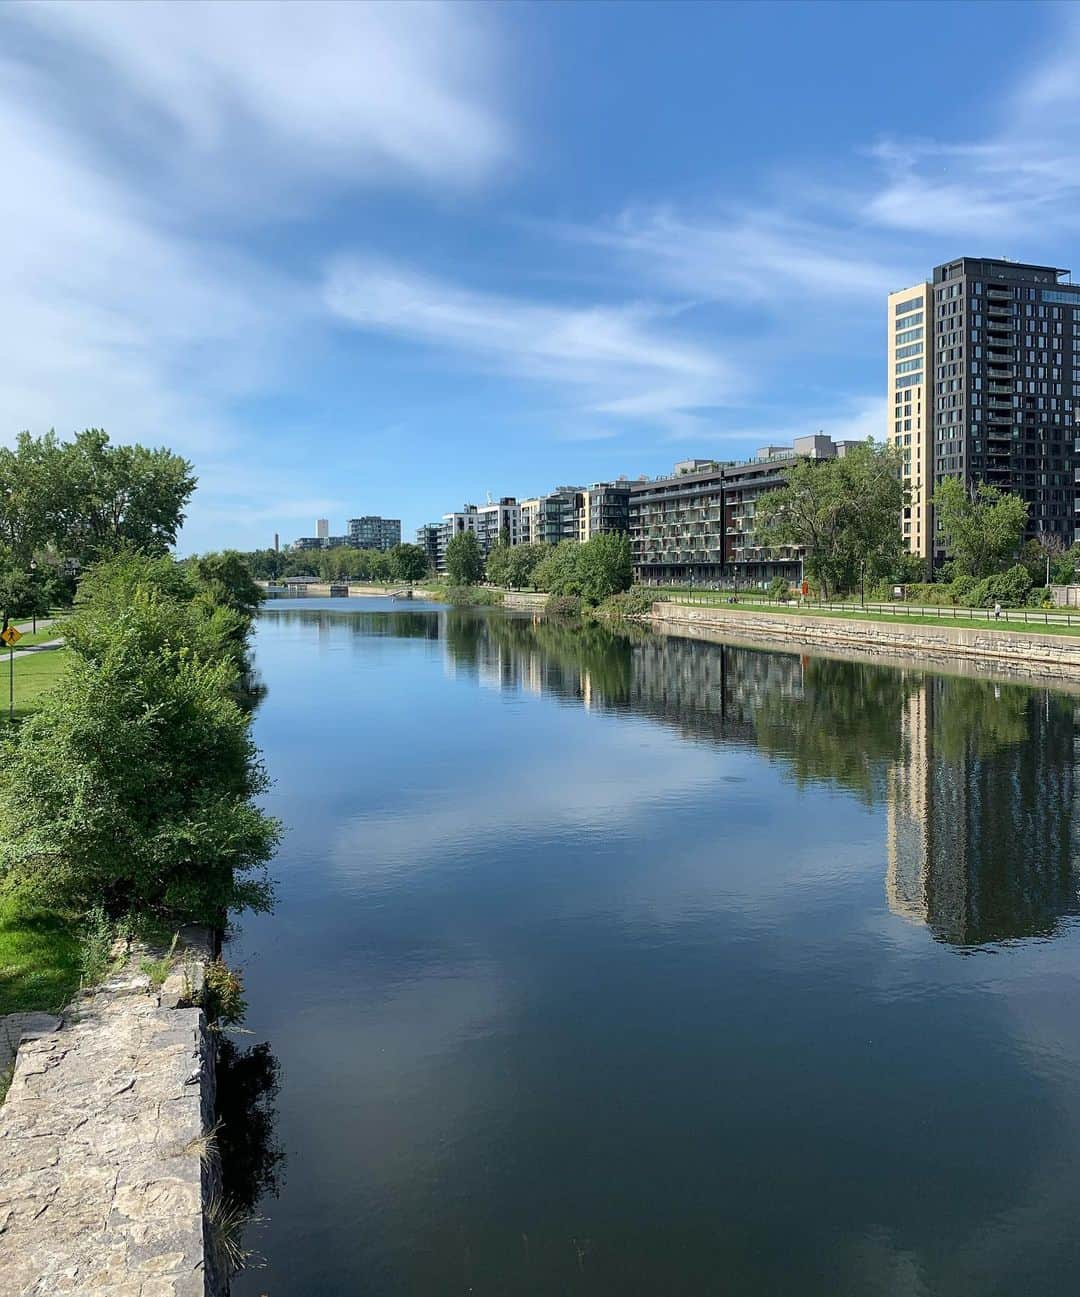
(605, 507)
(373, 532)
(322, 528)
(427, 537)
(911, 409)
(984, 364)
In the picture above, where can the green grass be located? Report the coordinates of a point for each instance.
(34, 676)
(40, 961)
(964, 617)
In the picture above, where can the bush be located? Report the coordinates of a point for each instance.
(780, 589)
(132, 787)
(563, 605)
(631, 603)
(471, 596)
(1012, 589)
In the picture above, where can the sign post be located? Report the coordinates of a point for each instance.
(11, 637)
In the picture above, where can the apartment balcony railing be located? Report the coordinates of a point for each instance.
(999, 294)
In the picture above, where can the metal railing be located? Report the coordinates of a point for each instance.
(942, 612)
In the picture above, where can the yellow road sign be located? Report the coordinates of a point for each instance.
(11, 636)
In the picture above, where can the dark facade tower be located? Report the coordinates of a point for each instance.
(1006, 382)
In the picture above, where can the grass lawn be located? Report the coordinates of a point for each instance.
(962, 619)
(34, 675)
(39, 961)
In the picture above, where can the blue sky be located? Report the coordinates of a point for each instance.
(358, 258)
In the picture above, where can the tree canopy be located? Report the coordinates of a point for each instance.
(591, 571)
(464, 561)
(980, 528)
(844, 514)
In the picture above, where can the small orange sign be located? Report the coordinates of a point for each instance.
(11, 636)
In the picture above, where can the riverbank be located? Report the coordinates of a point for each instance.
(108, 1179)
(1018, 652)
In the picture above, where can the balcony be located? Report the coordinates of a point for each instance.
(999, 295)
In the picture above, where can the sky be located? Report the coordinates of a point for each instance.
(366, 258)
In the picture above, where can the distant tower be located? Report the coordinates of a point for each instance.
(322, 528)
(277, 543)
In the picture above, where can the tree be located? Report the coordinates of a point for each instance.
(464, 561)
(498, 562)
(229, 578)
(591, 571)
(134, 784)
(980, 528)
(604, 566)
(843, 513)
(32, 494)
(19, 595)
(112, 495)
(409, 562)
(522, 562)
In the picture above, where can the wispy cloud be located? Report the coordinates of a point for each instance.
(616, 360)
(1019, 181)
(133, 297)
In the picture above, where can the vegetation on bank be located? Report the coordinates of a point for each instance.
(128, 788)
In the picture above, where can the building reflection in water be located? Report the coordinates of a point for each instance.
(981, 824)
(978, 779)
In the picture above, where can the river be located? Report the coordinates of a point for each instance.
(626, 964)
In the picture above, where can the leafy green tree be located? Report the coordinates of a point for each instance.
(980, 528)
(33, 491)
(115, 495)
(19, 595)
(522, 562)
(464, 561)
(843, 513)
(134, 784)
(498, 562)
(229, 578)
(557, 572)
(179, 614)
(604, 566)
(409, 562)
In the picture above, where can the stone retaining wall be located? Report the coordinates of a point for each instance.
(519, 599)
(108, 1180)
(1009, 651)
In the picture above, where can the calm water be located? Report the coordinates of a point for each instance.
(634, 965)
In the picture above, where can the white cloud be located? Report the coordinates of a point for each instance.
(751, 256)
(360, 92)
(141, 144)
(617, 359)
(1020, 182)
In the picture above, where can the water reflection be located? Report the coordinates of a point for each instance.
(979, 778)
(982, 843)
(584, 978)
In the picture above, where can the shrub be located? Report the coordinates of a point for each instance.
(631, 603)
(563, 605)
(1012, 589)
(132, 787)
(223, 994)
(780, 589)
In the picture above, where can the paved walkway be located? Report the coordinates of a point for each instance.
(104, 1167)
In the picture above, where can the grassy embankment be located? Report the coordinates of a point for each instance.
(41, 951)
(1012, 619)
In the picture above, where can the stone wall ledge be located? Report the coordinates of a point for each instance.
(107, 1172)
(986, 649)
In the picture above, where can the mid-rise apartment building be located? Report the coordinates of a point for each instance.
(604, 507)
(495, 520)
(697, 525)
(427, 537)
(984, 376)
(373, 532)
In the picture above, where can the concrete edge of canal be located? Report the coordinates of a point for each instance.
(109, 1179)
(979, 650)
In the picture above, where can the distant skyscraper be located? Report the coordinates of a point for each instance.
(322, 529)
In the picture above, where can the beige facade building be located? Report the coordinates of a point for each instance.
(911, 408)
